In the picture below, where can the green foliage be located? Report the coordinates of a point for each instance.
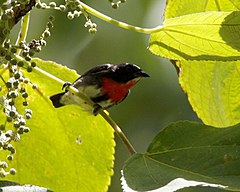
(213, 90)
(200, 36)
(67, 149)
(190, 151)
(176, 8)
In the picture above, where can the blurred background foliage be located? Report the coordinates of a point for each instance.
(154, 102)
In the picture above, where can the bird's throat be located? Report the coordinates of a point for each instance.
(116, 91)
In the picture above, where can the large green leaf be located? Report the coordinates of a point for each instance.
(176, 8)
(213, 90)
(190, 151)
(66, 149)
(200, 36)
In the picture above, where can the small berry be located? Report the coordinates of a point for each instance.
(62, 7)
(17, 75)
(2, 127)
(25, 103)
(3, 164)
(22, 90)
(26, 130)
(22, 122)
(38, 5)
(31, 53)
(13, 94)
(9, 133)
(46, 33)
(28, 116)
(70, 16)
(34, 86)
(8, 57)
(7, 45)
(51, 18)
(52, 4)
(49, 25)
(26, 80)
(33, 64)
(20, 64)
(28, 111)
(115, 5)
(8, 84)
(16, 124)
(25, 53)
(28, 58)
(92, 30)
(12, 114)
(13, 61)
(13, 50)
(3, 53)
(12, 171)
(11, 102)
(29, 69)
(9, 119)
(20, 130)
(9, 157)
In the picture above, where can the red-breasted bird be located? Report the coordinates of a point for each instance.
(106, 85)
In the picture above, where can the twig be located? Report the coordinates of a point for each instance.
(119, 23)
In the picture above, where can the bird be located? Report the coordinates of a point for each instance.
(106, 85)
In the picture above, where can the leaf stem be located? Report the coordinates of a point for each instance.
(103, 113)
(22, 35)
(119, 23)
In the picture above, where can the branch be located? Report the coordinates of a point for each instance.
(19, 13)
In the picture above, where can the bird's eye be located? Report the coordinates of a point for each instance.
(128, 68)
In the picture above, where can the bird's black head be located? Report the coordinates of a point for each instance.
(123, 73)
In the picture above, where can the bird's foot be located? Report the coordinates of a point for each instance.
(96, 109)
(66, 86)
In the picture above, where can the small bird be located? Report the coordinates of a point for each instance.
(106, 85)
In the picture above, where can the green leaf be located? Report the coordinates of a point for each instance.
(190, 151)
(67, 149)
(201, 189)
(200, 36)
(176, 8)
(213, 90)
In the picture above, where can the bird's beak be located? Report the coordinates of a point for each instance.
(143, 74)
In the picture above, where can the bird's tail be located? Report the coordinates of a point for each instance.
(56, 100)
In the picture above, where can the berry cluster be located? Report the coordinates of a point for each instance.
(73, 9)
(14, 95)
(13, 92)
(115, 5)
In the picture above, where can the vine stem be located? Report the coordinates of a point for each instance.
(108, 19)
(22, 35)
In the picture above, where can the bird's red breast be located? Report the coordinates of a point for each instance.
(116, 91)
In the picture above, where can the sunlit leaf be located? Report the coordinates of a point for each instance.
(200, 36)
(66, 149)
(213, 90)
(177, 8)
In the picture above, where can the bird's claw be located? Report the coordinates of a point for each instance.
(96, 109)
(66, 86)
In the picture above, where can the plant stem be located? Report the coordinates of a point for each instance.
(111, 122)
(22, 35)
(119, 23)
(118, 131)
